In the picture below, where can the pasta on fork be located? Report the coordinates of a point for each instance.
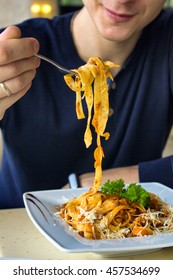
(90, 83)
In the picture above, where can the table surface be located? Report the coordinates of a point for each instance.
(19, 238)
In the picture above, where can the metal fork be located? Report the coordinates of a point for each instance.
(60, 67)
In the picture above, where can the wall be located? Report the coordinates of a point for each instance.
(14, 11)
(169, 2)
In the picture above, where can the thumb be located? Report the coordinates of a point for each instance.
(10, 32)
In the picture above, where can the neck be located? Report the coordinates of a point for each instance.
(89, 42)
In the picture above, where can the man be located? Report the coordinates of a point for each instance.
(43, 141)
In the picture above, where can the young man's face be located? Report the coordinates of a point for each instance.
(118, 20)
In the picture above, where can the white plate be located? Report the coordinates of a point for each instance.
(40, 206)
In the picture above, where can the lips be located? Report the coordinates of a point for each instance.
(118, 17)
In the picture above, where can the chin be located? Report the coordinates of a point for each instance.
(116, 36)
(116, 32)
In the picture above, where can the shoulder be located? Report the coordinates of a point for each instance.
(45, 25)
(51, 33)
(160, 31)
(164, 21)
(165, 17)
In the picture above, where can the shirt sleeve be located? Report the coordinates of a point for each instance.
(160, 170)
(170, 64)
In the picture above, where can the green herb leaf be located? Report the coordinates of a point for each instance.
(113, 187)
(133, 193)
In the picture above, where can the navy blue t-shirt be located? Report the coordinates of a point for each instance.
(42, 138)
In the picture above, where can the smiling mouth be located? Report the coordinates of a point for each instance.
(118, 17)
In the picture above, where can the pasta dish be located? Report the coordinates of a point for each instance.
(104, 216)
(113, 210)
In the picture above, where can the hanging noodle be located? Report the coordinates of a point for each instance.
(95, 215)
(93, 72)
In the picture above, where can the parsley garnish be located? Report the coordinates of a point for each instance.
(134, 192)
(113, 187)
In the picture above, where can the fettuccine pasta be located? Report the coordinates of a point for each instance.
(90, 83)
(94, 214)
(99, 216)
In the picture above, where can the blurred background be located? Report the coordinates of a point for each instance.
(15, 11)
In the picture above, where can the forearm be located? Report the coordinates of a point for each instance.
(160, 170)
(129, 174)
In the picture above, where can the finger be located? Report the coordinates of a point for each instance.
(66, 186)
(86, 180)
(5, 89)
(13, 47)
(10, 32)
(18, 83)
(16, 49)
(18, 67)
(7, 102)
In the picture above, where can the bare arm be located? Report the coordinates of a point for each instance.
(128, 174)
